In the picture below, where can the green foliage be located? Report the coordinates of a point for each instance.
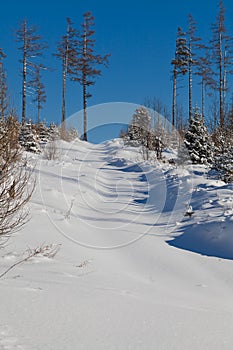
(197, 141)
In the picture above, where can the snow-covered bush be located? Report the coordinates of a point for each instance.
(15, 188)
(51, 150)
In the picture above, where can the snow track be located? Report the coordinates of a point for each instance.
(116, 283)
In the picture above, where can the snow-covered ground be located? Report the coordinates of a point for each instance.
(132, 271)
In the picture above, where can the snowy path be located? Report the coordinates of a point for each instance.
(115, 283)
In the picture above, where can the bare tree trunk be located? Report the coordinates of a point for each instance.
(174, 98)
(221, 110)
(64, 93)
(224, 80)
(38, 109)
(203, 99)
(3, 93)
(24, 87)
(190, 92)
(64, 79)
(84, 111)
(63, 118)
(85, 84)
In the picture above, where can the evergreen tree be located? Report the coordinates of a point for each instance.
(197, 141)
(140, 126)
(29, 139)
(223, 157)
(54, 132)
(180, 66)
(43, 133)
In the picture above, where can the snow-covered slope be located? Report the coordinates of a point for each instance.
(132, 271)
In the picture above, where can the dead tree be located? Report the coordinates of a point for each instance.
(32, 48)
(38, 89)
(192, 45)
(205, 72)
(85, 66)
(66, 52)
(221, 48)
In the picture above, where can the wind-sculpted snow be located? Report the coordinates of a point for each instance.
(210, 231)
(115, 200)
(119, 280)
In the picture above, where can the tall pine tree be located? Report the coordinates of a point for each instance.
(38, 90)
(67, 52)
(220, 45)
(85, 67)
(31, 48)
(193, 45)
(180, 67)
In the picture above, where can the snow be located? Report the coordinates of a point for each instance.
(132, 272)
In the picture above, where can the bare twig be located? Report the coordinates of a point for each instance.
(16, 182)
(48, 251)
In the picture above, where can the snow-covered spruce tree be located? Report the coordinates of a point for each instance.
(29, 139)
(223, 156)
(72, 134)
(54, 132)
(197, 140)
(43, 133)
(140, 133)
(139, 127)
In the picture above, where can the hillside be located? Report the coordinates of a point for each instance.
(130, 270)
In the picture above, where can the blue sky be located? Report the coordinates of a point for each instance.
(140, 35)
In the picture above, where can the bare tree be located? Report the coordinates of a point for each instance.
(15, 187)
(51, 150)
(204, 71)
(32, 48)
(38, 89)
(85, 66)
(221, 56)
(192, 45)
(66, 51)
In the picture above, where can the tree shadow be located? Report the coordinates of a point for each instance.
(213, 239)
